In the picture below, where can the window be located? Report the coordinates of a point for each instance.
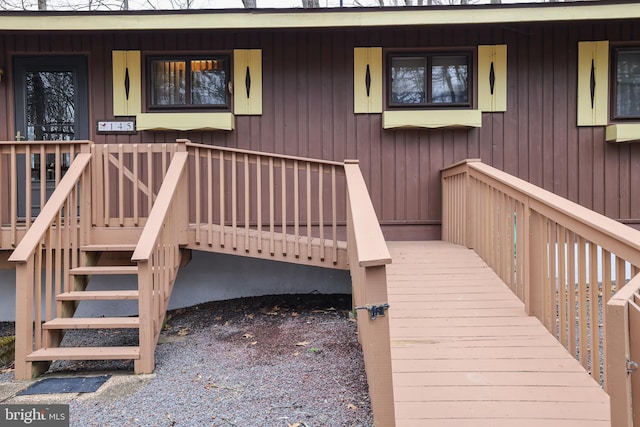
(429, 80)
(189, 82)
(627, 83)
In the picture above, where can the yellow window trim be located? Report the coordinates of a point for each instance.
(247, 77)
(623, 132)
(431, 119)
(492, 78)
(126, 73)
(367, 80)
(593, 83)
(185, 121)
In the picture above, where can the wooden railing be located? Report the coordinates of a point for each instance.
(562, 260)
(623, 342)
(127, 179)
(51, 245)
(368, 256)
(158, 256)
(29, 171)
(251, 203)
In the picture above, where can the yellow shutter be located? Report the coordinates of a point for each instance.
(492, 78)
(367, 80)
(247, 82)
(593, 83)
(127, 90)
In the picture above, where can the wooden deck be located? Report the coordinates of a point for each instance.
(465, 353)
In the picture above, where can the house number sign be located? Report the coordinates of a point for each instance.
(116, 126)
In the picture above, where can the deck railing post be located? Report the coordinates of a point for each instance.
(619, 352)
(146, 362)
(379, 349)
(24, 319)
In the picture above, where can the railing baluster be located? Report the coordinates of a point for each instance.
(198, 192)
(320, 210)
(150, 188)
(222, 199)
(572, 308)
(209, 198)
(272, 226)
(334, 213)
(28, 186)
(594, 311)
(247, 202)
(582, 297)
(43, 181)
(259, 200)
(562, 286)
(309, 235)
(296, 209)
(234, 201)
(120, 185)
(13, 178)
(136, 185)
(283, 193)
(107, 186)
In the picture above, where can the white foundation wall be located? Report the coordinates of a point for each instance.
(208, 277)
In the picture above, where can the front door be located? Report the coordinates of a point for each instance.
(51, 104)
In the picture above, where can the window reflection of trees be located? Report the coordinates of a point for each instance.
(194, 82)
(208, 82)
(50, 105)
(408, 80)
(628, 83)
(430, 79)
(449, 79)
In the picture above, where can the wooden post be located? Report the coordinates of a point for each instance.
(145, 312)
(24, 319)
(618, 384)
(379, 349)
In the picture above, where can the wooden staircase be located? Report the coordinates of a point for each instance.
(99, 260)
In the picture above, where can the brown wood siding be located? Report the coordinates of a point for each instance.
(308, 111)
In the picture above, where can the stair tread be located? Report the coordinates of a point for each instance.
(111, 269)
(92, 322)
(108, 247)
(98, 295)
(84, 353)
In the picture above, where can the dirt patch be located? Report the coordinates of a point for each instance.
(271, 361)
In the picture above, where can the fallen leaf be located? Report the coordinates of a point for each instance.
(250, 316)
(303, 343)
(253, 342)
(218, 318)
(352, 406)
(248, 335)
(297, 353)
(183, 331)
(294, 314)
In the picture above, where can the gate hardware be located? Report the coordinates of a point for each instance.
(631, 366)
(374, 310)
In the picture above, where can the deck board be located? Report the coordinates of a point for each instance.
(465, 353)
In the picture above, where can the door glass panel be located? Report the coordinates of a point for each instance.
(50, 106)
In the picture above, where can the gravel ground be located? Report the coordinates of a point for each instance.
(290, 361)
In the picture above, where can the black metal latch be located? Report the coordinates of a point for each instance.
(374, 310)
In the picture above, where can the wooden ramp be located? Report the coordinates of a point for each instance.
(464, 353)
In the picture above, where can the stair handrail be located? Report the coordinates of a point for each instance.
(157, 256)
(58, 231)
(368, 256)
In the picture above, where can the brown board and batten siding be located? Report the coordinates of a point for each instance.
(308, 111)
